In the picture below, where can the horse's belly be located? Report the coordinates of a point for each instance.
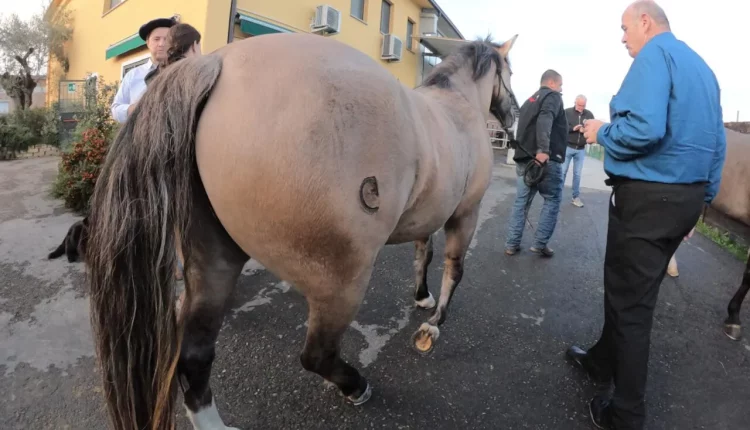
(421, 222)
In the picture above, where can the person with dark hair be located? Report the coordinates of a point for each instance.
(542, 135)
(133, 84)
(183, 41)
(665, 149)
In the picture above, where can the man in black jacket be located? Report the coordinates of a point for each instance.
(542, 134)
(576, 150)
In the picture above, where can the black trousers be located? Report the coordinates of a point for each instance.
(647, 221)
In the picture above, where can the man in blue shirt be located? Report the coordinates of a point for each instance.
(664, 153)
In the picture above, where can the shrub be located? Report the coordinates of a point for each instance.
(82, 160)
(79, 169)
(23, 128)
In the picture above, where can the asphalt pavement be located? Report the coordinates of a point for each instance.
(498, 364)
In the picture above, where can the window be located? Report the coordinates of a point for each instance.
(409, 34)
(130, 66)
(4, 108)
(358, 9)
(385, 17)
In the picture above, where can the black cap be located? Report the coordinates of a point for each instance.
(150, 26)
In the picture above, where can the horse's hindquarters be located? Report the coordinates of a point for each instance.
(283, 157)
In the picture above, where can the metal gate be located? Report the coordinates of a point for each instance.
(498, 136)
(73, 97)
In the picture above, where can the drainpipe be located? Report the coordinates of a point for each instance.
(232, 13)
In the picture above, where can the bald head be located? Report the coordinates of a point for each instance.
(641, 21)
(650, 9)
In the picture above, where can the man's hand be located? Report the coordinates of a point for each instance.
(578, 128)
(542, 157)
(131, 108)
(590, 128)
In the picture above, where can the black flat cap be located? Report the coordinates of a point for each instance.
(150, 26)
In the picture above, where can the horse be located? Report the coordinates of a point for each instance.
(304, 154)
(733, 199)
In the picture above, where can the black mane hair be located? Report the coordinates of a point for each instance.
(481, 53)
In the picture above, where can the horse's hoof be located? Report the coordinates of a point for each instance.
(363, 398)
(733, 331)
(426, 303)
(424, 339)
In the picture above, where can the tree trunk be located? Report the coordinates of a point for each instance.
(20, 87)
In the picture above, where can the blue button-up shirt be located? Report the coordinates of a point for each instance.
(131, 89)
(666, 121)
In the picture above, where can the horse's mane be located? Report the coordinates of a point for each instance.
(480, 53)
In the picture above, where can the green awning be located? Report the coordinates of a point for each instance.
(127, 45)
(256, 27)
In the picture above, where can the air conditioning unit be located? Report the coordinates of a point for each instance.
(392, 48)
(327, 20)
(428, 23)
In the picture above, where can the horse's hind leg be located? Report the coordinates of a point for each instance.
(458, 235)
(330, 314)
(422, 260)
(732, 326)
(214, 262)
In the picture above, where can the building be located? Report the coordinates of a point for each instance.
(405, 36)
(38, 97)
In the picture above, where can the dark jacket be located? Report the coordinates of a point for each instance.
(542, 126)
(576, 139)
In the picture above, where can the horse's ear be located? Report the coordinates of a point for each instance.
(504, 49)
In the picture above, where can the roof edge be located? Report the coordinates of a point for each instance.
(441, 14)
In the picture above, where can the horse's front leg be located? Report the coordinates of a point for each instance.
(458, 234)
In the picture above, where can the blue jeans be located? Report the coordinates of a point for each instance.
(550, 189)
(577, 155)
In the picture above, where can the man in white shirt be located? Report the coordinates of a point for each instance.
(133, 85)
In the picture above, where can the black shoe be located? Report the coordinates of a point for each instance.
(581, 357)
(544, 252)
(601, 412)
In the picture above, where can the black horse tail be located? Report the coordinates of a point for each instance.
(141, 198)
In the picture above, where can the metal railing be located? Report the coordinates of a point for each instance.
(498, 137)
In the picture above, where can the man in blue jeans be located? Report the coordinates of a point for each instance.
(576, 150)
(542, 133)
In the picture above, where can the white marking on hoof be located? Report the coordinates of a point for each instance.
(427, 303)
(363, 398)
(672, 268)
(432, 330)
(208, 419)
(424, 339)
(733, 331)
(328, 385)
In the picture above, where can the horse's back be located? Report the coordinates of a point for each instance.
(291, 131)
(734, 192)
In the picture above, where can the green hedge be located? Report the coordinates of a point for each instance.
(23, 128)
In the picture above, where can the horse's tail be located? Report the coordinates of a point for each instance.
(143, 194)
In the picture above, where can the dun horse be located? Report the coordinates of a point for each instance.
(303, 153)
(733, 199)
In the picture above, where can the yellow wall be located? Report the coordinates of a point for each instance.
(95, 29)
(364, 36)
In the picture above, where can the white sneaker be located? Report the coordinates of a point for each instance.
(577, 202)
